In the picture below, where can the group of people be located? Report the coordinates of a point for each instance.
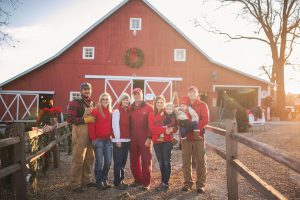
(102, 134)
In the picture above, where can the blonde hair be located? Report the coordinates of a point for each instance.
(99, 105)
(169, 104)
(154, 103)
(123, 96)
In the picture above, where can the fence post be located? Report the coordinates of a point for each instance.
(55, 150)
(20, 157)
(231, 153)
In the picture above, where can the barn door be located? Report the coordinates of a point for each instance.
(155, 88)
(115, 87)
(18, 106)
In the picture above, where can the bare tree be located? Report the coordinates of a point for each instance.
(278, 23)
(6, 9)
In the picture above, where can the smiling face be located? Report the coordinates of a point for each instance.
(183, 107)
(105, 100)
(193, 95)
(160, 104)
(138, 96)
(86, 92)
(125, 102)
(169, 108)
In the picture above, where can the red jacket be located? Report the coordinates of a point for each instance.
(139, 122)
(202, 110)
(156, 123)
(102, 127)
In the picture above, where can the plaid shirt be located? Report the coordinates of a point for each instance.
(76, 111)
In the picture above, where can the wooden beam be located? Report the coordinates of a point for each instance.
(216, 130)
(46, 129)
(267, 190)
(231, 153)
(270, 152)
(41, 152)
(9, 141)
(9, 170)
(218, 151)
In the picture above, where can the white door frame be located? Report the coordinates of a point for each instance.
(130, 80)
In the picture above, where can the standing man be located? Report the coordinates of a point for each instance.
(82, 151)
(140, 149)
(193, 146)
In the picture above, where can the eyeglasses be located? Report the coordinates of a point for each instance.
(105, 99)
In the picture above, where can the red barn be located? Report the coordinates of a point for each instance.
(134, 45)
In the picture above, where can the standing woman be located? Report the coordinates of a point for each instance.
(162, 149)
(121, 139)
(100, 133)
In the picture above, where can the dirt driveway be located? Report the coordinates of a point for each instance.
(283, 136)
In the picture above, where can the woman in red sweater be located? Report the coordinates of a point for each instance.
(162, 148)
(100, 133)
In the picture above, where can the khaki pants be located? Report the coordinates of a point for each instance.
(194, 149)
(82, 156)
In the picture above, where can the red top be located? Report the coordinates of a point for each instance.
(156, 123)
(102, 127)
(202, 110)
(139, 122)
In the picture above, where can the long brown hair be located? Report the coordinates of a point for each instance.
(154, 103)
(99, 105)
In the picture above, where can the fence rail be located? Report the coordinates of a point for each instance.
(235, 166)
(18, 167)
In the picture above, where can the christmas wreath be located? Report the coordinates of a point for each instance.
(134, 57)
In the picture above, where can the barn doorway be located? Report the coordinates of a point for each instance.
(138, 84)
(246, 97)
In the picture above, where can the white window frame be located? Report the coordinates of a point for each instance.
(176, 59)
(131, 24)
(74, 94)
(84, 55)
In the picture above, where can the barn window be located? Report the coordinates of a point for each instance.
(135, 24)
(180, 55)
(88, 52)
(74, 95)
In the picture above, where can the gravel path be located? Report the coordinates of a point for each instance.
(285, 137)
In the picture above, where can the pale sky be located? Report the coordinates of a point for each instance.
(45, 27)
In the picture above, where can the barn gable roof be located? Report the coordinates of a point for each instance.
(107, 16)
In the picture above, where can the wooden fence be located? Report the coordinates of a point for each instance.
(235, 166)
(17, 141)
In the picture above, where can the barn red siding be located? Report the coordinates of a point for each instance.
(111, 39)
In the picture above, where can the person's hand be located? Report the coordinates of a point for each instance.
(169, 130)
(148, 142)
(119, 144)
(89, 119)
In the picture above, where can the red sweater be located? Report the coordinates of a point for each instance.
(156, 123)
(202, 110)
(102, 127)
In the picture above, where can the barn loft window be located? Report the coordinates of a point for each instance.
(136, 24)
(179, 55)
(88, 52)
(74, 95)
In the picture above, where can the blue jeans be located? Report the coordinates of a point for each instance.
(187, 127)
(120, 155)
(163, 154)
(103, 151)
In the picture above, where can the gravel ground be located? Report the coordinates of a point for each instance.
(285, 137)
